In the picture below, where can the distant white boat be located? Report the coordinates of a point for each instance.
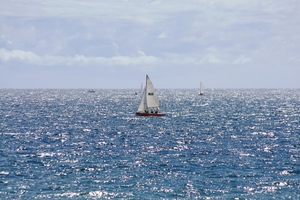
(149, 103)
(201, 89)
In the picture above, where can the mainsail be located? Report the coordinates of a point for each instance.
(152, 99)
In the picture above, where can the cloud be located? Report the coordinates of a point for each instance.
(138, 35)
(211, 59)
(7, 56)
(77, 60)
(27, 56)
(242, 60)
(163, 35)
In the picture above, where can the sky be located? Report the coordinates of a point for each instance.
(113, 44)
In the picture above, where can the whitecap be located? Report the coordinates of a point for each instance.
(281, 184)
(45, 154)
(246, 154)
(250, 189)
(96, 194)
(67, 194)
(270, 188)
(267, 149)
(284, 172)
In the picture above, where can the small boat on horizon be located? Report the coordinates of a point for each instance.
(141, 90)
(201, 89)
(91, 91)
(149, 103)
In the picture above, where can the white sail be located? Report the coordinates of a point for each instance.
(149, 101)
(201, 90)
(151, 96)
(143, 105)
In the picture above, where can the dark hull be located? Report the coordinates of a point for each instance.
(150, 114)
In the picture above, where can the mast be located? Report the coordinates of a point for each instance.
(145, 93)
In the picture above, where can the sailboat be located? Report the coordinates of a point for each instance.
(141, 90)
(91, 91)
(201, 89)
(149, 102)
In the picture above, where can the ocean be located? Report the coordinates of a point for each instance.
(227, 144)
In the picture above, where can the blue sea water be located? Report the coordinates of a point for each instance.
(227, 144)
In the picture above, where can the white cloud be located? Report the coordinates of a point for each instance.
(141, 53)
(140, 34)
(77, 60)
(210, 59)
(242, 60)
(86, 61)
(27, 56)
(163, 35)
